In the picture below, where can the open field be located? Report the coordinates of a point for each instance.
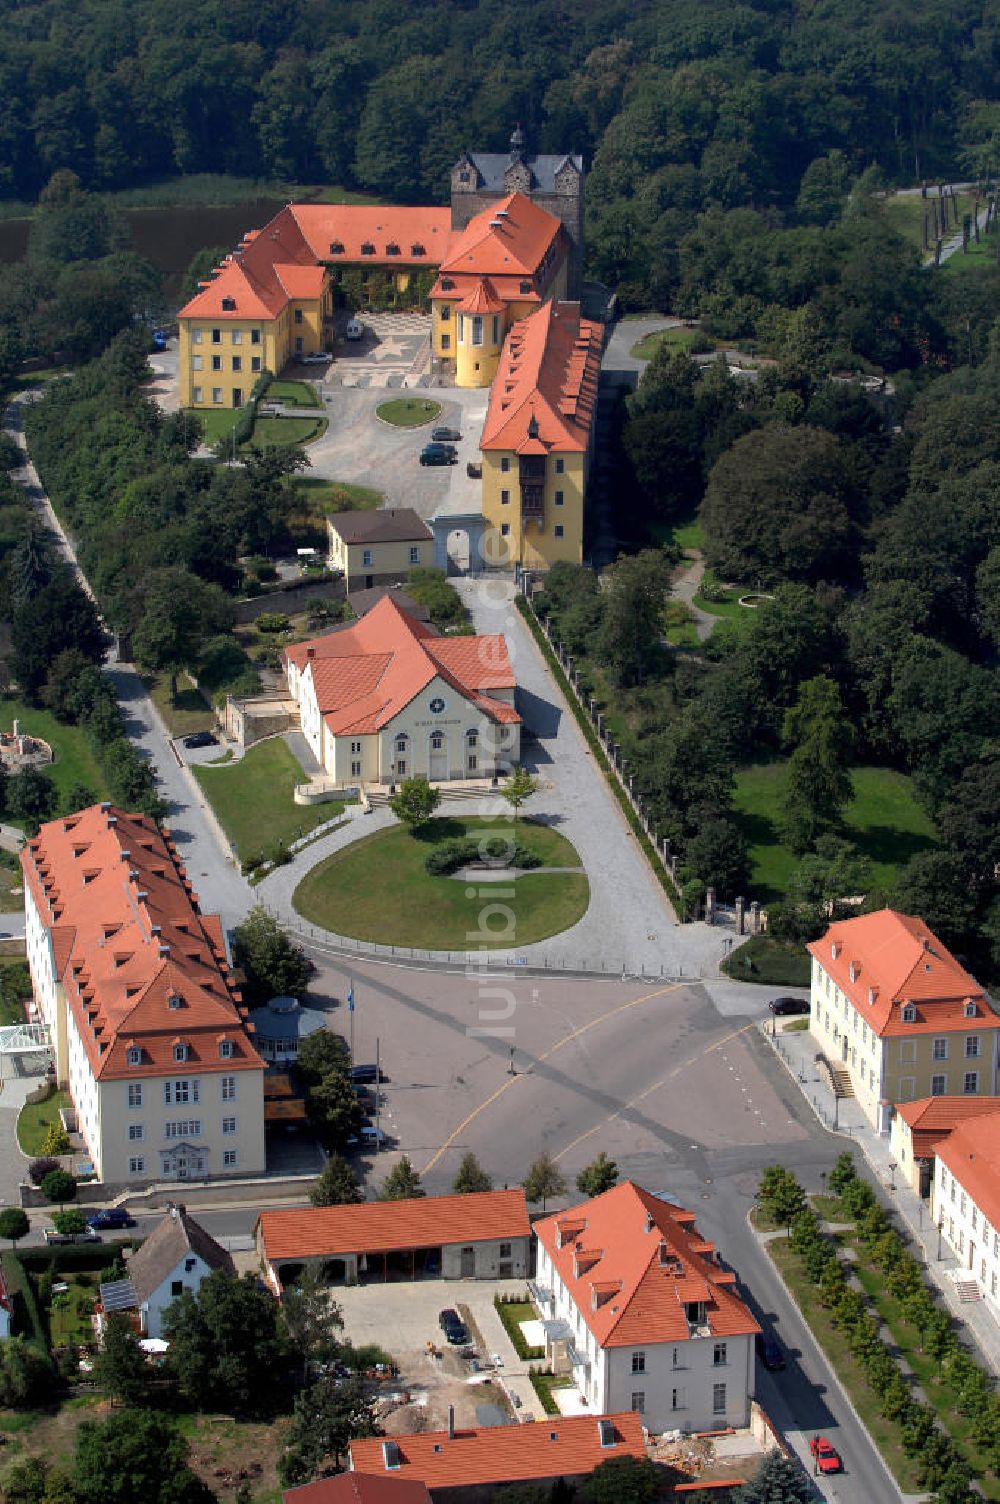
(377, 889)
(253, 799)
(883, 820)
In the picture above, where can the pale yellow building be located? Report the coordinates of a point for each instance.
(387, 699)
(538, 437)
(378, 547)
(891, 1004)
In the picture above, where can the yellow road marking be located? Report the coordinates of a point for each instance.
(683, 1066)
(559, 1044)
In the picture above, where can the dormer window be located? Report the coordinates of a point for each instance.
(174, 1001)
(525, 287)
(225, 1049)
(229, 305)
(871, 996)
(447, 284)
(134, 1056)
(336, 247)
(909, 1014)
(853, 971)
(392, 249)
(834, 950)
(180, 1053)
(970, 1008)
(416, 249)
(367, 249)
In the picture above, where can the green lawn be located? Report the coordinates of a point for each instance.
(543, 1385)
(275, 431)
(69, 1311)
(976, 258)
(253, 799)
(216, 423)
(678, 338)
(326, 496)
(186, 712)
(884, 1433)
(377, 889)
(730, 607)
(768, 962)
(408, 412)
(35, 1118)
(74, 761)
(906, 215)
(883, 820)
(293, 393)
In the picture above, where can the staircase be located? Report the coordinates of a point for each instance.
(839, 1077)
(378, 795)
(965, 1286)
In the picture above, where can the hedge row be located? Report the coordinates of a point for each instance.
(496, 851)
(26, 1317)
(513, 1329)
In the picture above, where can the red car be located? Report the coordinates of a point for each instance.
(827, 1458)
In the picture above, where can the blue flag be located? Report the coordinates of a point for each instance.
(350, 1000)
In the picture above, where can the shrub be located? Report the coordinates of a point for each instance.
(59, 1185)
(70, 1221)
(272, 621)
(39, 1168)
(449, 856)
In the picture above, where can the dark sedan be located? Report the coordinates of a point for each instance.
(445, 435)
(783, 1006)
(438, 454)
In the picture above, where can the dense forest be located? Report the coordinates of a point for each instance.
(677, 105)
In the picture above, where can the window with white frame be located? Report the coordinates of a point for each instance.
(136, 1133)
(179, 1092)
(180, 1053)
(940, 1049)
(183, 1128)
(225, 1049)
(196, 336)
(229, 1088)
(135, 1094)
(229, 1126)
(939, 1086)
(971, 1046)
(639, 1362)
(217, 395)
(719, 1355)
(236, 336)
(366, 558)
(134, 1056)
(415, 554)
(638, 1401)
(197, 364)
(230, 1158)
(970, 1083)
(678, 1399)
(198, 394)
(718, 1399)
(137, 1165)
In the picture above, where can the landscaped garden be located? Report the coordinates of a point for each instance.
(75, 764)
(408, 412)
(36, 1118)
(253, 799)
(293, 394)
(680, 338)
(378, 889)
(272, 431)
(883, 820)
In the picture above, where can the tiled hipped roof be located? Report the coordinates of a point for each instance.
(142, 968)
(931, 1119)
(365, 675)
(633, 1264)
(972, 1154)
(359, 1488)
(887, 962)
(543, 397)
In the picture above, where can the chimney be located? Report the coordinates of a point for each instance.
(451, 1422)
(105, 806)
(310, 652)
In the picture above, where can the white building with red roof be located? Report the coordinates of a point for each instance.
(891, 1005)
(965, 1200)
(147, 1025)
(640, 1309)
(388, 698)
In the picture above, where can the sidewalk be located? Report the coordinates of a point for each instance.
(798, 1050)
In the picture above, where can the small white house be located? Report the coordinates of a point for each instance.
(176, 1256)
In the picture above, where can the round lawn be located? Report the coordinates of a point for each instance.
(408, 412)
(377, 889)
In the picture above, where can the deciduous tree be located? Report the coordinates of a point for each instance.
(544, 1180)
(337, 1184)
(471, 1176)
(599, 1176)
(402, 1182)
(227, 1346)
(415, 802)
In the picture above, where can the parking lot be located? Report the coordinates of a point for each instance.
(439, 1378)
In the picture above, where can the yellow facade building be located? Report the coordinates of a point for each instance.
(892, 1005)
(537, 440)
(378, 547)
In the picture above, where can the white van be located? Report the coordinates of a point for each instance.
(355, 329)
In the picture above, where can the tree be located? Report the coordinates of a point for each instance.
(310, 1318)
(631, 627)
(778, 1480)
(56, 1140)
(597, 1177)
(31, 796)
(519, 788)
(14, 1224)
(60, 616)
(334, 1108)
(135, 1454)
(623, 1480)
(178, 614)
(717, 853)
(415, 802)
(544, 1179)
(69, 1221)
(59, 1186)
(39, 1168)
(121, 1368)
(781, 1196)
(819, 783)
(471, 1177)
(227, 1346)
(337, 1184)
(327, 1417)
(275, 966)
(320, 1053)
(402, 1182)
(25, 1376)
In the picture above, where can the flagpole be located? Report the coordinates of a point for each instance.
(350, 1010)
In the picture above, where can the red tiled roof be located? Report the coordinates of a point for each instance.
(359, 1488)
(366, 674)
(508, 238)
(885, 960)
(545, 389)
(384, 1226)
(931, 1119)
(559, 1447)
(481, 298)
(422, 234)
(249, 277)
(140, 965)
(650, 1260)
(972, 1153)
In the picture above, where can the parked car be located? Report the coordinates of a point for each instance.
(368, 1137)
(770, 1352)
(445, 435)
(317, 357)
(355, 330)
(365, 1075)
(453, 1327)
(780, 1006)
(201, 739)
(827, 1457)
(159, 339)
(438, 454)
(110, 1216)
(90, 1236)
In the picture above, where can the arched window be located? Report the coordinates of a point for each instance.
(472, 737)
(402, 742)
(437, 741)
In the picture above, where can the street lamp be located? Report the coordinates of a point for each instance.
(940, 1229)
(892, 1176)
